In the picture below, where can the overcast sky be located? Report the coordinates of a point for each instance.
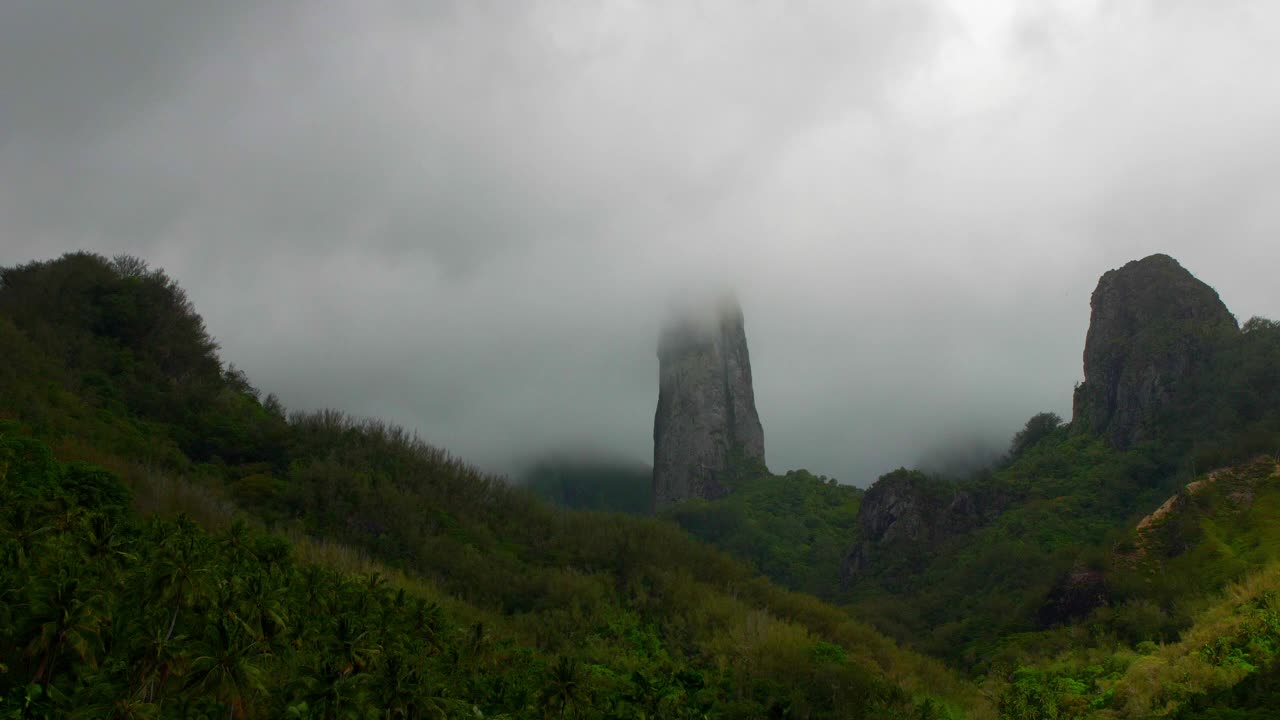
(468, 216)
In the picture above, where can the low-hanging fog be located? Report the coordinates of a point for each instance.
(467, 217)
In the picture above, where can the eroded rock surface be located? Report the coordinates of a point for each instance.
(1152, 326)
(908, 513)
(706, 418)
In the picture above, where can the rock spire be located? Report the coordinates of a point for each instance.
(706, 418)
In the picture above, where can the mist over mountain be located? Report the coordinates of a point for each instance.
(467, 217)
(374, 358)
(312, 564)
(960, 457)
(583, 481)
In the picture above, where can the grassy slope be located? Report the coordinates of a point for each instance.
(364, 496)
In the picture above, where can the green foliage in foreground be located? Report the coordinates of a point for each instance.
(539, 612)
(542, 612)
(108, 616)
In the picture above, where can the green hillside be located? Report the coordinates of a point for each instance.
(1182, 620)
(1002, 571)
(176, 544)
(243, 578)
(795, 528)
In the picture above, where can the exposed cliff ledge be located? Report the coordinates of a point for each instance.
(1152, 326)
(706, 418)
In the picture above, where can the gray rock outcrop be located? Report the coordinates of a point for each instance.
(907, 513)
(706, 419)
(1152, 326)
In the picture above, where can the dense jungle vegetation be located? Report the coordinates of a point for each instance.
(176, 544)
(1030, 564)
(1184, 622)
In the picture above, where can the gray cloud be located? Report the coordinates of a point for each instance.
(468, 217)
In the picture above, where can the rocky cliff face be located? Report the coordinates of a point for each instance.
(908, 513)
(1152, 326)
(706, 418)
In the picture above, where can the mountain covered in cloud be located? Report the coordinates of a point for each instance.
(515, 191)
(471, 221)
(1138, 523)
(990, 595)
(706, 419)
(216, 554)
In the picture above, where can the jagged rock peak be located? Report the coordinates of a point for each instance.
(706, 418)
(1152, 326)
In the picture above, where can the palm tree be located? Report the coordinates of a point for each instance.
(337, 673)
(226, 664)
(564, 688)
(68, 615)
(102, 539)
(28, 526)
(427, 620)
(260, 609)
(328, 688)
(181, 569)
(156, 661)
(402, 690)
